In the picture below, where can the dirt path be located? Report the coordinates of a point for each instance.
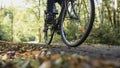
(29, 55)
(104, 52)
(94, 52)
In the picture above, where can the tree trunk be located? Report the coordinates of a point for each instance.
(108, 11)
(12, 27)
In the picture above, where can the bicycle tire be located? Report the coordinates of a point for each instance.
(48, 34)
(48, 31)
(80, 38)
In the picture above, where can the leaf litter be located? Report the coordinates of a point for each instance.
(24, 55)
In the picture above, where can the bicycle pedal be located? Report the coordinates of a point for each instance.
(55, 11)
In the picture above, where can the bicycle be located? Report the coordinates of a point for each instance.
(76, 16)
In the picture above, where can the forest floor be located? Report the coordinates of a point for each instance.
(30, 55)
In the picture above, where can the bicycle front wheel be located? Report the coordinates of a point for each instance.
(77, 21)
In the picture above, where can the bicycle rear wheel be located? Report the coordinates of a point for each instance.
(77, 21)
(48, 33)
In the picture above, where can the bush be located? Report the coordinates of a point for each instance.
(27, 37)
(104, 35)
(5, 35)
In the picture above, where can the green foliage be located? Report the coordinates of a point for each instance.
(107, 24)
(71, 30)
(21, 25)
(105, 35)
(27, 37)
(5, 27)
(25, 25)
(4, 35)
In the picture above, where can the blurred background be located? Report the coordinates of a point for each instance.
(23, 21)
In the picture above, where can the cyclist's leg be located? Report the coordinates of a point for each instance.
(50, 5)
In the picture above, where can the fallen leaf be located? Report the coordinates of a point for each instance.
(46, 64)
(55, 57)
(5, 57)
